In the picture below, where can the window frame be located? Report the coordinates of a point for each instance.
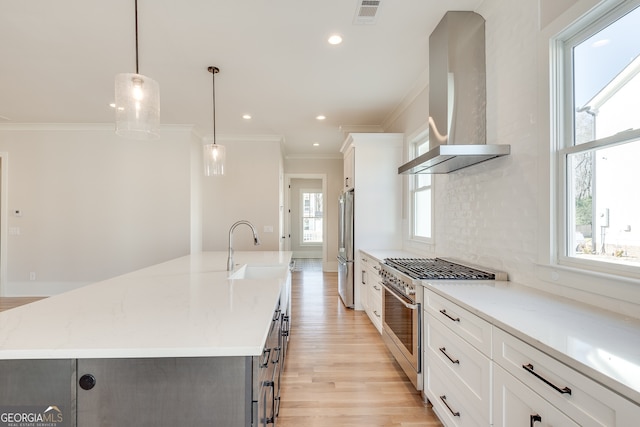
(301, 241)
(414, 144)
(563, 126)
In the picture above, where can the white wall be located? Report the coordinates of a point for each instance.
(93, 205)
(498, 213)
(333, 169)
(249, 190)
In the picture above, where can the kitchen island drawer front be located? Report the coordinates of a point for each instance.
(516, 405)
(581, 398)
(449, 402)
(462, 363)
(166, 392)
(473, 329)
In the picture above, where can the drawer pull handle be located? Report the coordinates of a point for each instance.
(444, 312)
(444, 351)
(534, 418)
(529, 368)
(266, 355)
(444, 400)
(376, 313)
(376, 288)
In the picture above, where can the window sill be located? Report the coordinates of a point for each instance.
(621, 293)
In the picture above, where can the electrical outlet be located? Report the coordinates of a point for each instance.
(32, 276)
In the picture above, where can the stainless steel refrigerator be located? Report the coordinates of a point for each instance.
(345, 249)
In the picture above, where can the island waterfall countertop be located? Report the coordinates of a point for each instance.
(186, 307)
(601, 344)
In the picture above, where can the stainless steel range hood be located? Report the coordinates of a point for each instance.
(457, 98)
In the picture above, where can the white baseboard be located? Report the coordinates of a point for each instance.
(307, 254)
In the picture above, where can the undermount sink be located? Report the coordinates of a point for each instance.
(260, 271)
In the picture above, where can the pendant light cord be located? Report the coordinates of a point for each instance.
(213, 78)
(136, 15)
(214, 70)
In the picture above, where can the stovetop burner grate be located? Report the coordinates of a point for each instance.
(437, 268)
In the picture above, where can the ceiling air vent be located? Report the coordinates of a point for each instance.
(366, 12)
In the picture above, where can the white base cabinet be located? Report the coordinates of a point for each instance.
(371, 289)
(516, 405)
(458, 363)
(579, 397)
(477, 374)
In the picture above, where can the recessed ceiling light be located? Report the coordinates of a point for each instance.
(112, 105)
(246, 116)
(316, 144)
(335, 39)
(320, 117)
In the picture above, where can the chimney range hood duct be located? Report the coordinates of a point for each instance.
(457, 98)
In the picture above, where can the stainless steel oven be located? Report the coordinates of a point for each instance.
(402, 279)
(402, 329)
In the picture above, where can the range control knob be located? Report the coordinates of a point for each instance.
(87, 382)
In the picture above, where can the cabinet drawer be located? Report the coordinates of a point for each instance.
(460, 362)
(582, 399)
(449, 401)
(376, 287)
(471, 328)
(516, 405)
(375, 309)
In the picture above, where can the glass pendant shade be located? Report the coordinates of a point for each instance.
(214, 158)
(137, 106)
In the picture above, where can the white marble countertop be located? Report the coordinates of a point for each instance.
(186, 307)
(598, 343)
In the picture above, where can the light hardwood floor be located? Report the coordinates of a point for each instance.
(7, 303)
(338, 372)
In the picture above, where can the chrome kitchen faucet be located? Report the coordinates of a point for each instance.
(256, 241)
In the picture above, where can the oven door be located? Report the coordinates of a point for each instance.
(401, 330)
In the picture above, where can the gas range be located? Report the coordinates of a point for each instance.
(406, 274)
(402, 302)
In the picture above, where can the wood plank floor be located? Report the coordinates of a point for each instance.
(338, 372)
(12, 302)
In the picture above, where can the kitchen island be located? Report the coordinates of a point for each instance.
(178, 343)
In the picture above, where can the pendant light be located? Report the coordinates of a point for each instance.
(214, 154)
(137, 102)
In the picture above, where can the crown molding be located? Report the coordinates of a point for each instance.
(65, 127)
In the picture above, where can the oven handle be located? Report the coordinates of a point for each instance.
(399, 298)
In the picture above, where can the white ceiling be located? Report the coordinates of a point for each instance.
(58, 60)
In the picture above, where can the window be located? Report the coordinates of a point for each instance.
(599, 143)
(421, 197)
(312, 217)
